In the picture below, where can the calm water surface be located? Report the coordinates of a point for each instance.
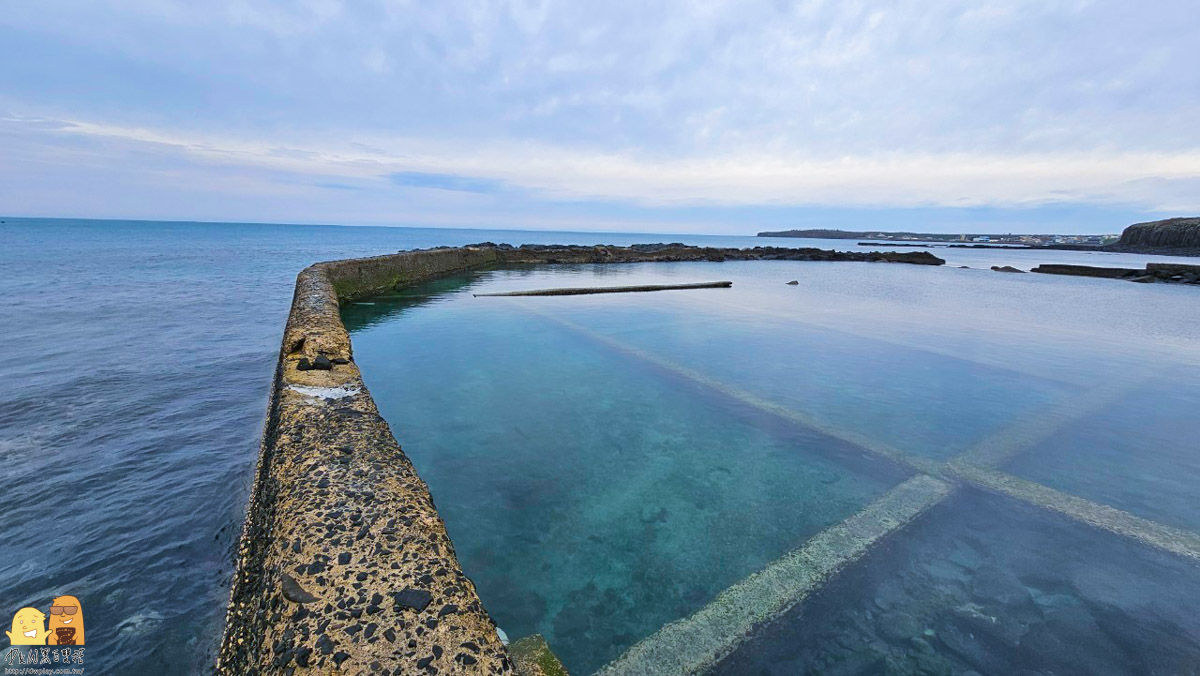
(139, 358)
(608, 464)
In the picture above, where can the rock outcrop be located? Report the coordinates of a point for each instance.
(1179, 233)
(1173, 236)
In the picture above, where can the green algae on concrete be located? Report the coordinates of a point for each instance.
(532, 656)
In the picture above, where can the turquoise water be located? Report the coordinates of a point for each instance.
(138, 359)
(607, 464)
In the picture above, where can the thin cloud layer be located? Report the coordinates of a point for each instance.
(465, 112)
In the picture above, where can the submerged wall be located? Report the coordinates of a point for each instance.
(344, 563)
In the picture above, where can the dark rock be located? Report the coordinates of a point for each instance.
(978, 650)
(302, 654)
(292, 590)
(303, 364)
(424, 662)
(1172, 269)
(1005, 268)
(340, 657)
(1086, 271)
(1001, 628)
(322, 363)
(1071, 641)
(448, 609)
(897, 626)
(998, 585)
(1181, 233)
(415, 599)
(794, 282)
(390, 635)
(325, 644)
(344, 558)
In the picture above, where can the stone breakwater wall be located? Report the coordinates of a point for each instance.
(344, 564)
(649, 253)
(1153, 272)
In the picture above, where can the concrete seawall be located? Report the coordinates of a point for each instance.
(344, 564)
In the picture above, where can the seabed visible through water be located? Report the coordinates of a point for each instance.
(860, 474)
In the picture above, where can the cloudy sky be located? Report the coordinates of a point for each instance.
(723, 117)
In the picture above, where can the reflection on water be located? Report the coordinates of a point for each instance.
(607, 464)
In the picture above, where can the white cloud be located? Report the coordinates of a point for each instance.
(1154, 180)
(911, 103)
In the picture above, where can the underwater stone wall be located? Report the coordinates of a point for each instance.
(344, 563)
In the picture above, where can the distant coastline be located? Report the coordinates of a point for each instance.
(1168, 237)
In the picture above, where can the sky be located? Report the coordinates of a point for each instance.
(693, 116)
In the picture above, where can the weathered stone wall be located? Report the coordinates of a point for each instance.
(1154, 272)
(359, 277)
(344, 563)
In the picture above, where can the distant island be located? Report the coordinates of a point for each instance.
(956, 238)
(1172, 236)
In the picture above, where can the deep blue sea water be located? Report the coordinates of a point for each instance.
(138, 358)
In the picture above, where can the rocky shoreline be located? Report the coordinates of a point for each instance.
(675, 252)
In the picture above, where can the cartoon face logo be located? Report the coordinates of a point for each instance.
(66, 621)
(28, 628)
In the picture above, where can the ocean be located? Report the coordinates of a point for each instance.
(138, 358)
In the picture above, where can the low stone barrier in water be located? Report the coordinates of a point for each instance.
(344, 563)
(1153, 272)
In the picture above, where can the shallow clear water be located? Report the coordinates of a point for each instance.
(138, 358)
(989, 586)
(607, 464)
